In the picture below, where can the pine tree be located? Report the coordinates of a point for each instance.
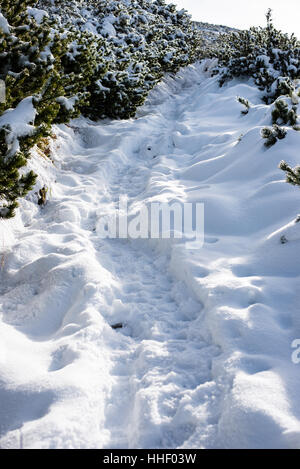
(267, 55)
(282, 114)
(24, 71)
(273, 134)
(30, 65)
(292, 174)
(245, 103)
(12, 184)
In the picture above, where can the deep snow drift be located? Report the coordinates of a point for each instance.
(204, 357)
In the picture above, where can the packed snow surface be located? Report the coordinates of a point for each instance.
(204, 356)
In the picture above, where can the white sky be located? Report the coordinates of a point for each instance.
(245, 13)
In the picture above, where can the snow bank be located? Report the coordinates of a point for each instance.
(19, 121)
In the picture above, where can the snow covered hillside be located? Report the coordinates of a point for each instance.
(203, 359)
(211, 32)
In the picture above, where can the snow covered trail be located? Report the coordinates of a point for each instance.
(203, 358)
(159, 357)
(62, 288)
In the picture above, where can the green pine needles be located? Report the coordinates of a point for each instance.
(246, 105)
(273, 134)
(282, 114)
(12, 184)
(292, 174)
